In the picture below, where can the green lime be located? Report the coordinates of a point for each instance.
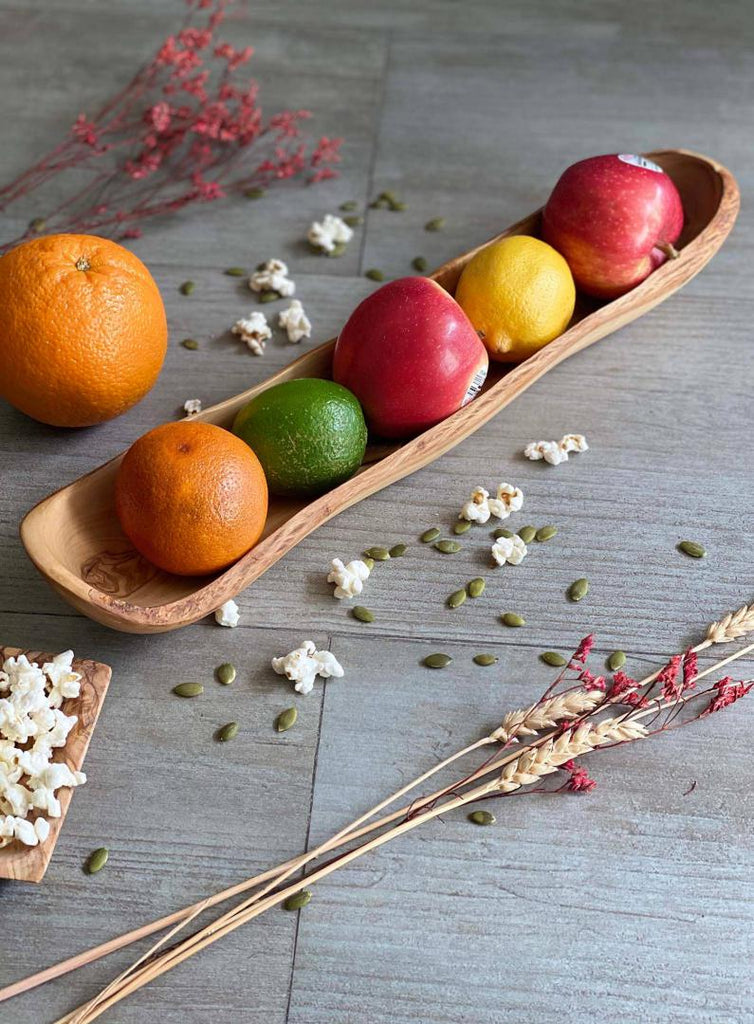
(309, 435)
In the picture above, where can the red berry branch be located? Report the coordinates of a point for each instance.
(186, 129)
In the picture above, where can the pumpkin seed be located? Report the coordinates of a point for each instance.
(96, 860)
(188, 689)
(298, 900)
(436, 224)
(350, 204)
(578, 589)
(378, 554)
(546, 532)
(397, 550)
(353, 221)
(438, 660)
(269, 296)
(419, 264)
(225, 673)
(484, 659)
(476, 587)
(512, 620)
(379, 204)
(616, 660)
(254, 193)
(37, 224)
(187, 288)
(692, 549)
(190, 343)
(429, 535)
(337, 250)
(527, 534)
(362, 614)
(553, 659)
(456, 599)
(448, 547)
(502, 532)
(235, 272)
(482, 818)
(228, 732)
(462, 526)
(368, 562)
(374, 274)
(286, 720)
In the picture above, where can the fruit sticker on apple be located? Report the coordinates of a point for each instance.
(615, 218)
(411, 356)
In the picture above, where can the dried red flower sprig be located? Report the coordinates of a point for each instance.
(184, 130)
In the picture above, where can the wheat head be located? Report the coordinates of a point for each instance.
(545, 714)
(732, 626)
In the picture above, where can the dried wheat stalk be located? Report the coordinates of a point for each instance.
(545, 714)
(731, 627)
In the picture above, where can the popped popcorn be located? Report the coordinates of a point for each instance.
(509, 549)
(329, 232)
(192, 406)
(254, 330)
(297, 324)
(349, 579)
(30, 710)
(477, 508)
(272, 277)
(228, 614)
(556, 452)
(509, 499)
(303, 665)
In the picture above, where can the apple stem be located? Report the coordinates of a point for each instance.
(669, 249)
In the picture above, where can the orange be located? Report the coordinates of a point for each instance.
(191, 497)
(83, 333)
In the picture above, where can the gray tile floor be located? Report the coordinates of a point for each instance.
(631, 905)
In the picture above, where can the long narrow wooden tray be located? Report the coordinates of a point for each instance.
(73, 536)
(29, 863)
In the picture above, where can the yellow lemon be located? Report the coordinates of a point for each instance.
(519, 294)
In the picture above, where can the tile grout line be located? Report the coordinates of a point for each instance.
(376, 138)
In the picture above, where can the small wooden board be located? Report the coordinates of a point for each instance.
(29, 863)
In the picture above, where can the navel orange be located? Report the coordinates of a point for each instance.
(83, 333)
(191, 497)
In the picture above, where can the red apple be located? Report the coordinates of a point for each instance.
(615, 219)
(410, 355)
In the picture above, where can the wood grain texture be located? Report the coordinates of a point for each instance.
(468, 111)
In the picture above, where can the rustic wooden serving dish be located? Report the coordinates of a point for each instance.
(29, 863)
(73, 536)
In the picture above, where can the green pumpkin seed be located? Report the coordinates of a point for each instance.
(462, 526)
(692, 549)
(225, 673)
(502, 532)
(482, 818)
(379, 204)
(397, 550)
(190, 343)
(228, 732)
(187, 288)
(350, 204)
(378, 554)
(456, 599)
(298, 900)
(254, 193)
(476, 587)
(37, 224)
(578, 589)
(553, 659)
(436, 224)
(527, 534)
(96, 860)
(188, 689)
(616, 660)
(368, 562)
(362, 614)
(337, 250)
(354, 221)
(546, 532)
(419, 264)
(374, 274)
(286, 720)
(448, 547)
(429, 535)
(437, 660)
(269, 296)
(235, 272)
(512, 620)
(485, 659)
